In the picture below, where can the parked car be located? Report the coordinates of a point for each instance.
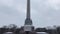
(42, 33)
(8, 33)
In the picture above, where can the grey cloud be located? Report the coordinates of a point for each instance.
(42, 13)
(46, 14)
(9, 15)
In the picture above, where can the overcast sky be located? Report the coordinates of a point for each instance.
(43, 12)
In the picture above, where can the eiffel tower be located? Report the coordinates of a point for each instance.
(28, 22)
(28, 28)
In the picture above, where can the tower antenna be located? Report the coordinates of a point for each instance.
(28, 8)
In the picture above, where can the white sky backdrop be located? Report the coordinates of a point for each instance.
(44, 12)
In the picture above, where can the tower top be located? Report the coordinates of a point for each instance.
(28, 21)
